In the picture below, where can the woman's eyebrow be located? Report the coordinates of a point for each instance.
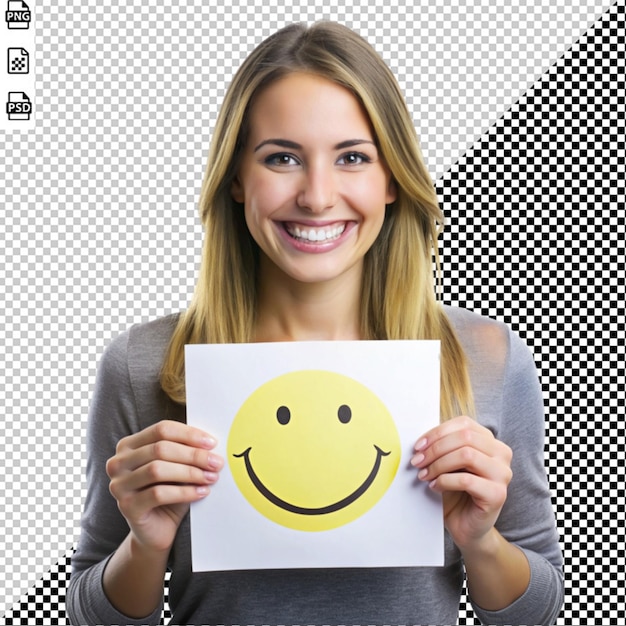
(283, 143)
(352, 142)
(292, 145)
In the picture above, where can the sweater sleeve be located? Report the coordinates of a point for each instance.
(112, 415)
(527, 519)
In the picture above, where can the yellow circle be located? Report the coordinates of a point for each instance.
(313, 450)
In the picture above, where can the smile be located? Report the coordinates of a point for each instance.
(331, 508)
(311, 234)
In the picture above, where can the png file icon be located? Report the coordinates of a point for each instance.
(17, 15)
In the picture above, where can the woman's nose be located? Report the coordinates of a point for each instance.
(318, 190)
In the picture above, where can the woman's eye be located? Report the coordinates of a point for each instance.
(354, 158)
(280, 159)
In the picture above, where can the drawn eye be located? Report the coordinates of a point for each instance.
(344, 413)
(283, 415)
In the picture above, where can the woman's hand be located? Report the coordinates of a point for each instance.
(156, 473)
(472, 469)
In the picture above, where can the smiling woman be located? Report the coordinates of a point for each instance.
(316, 119)
(321, 222)
(316, 209)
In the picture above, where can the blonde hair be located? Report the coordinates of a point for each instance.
(398, 299)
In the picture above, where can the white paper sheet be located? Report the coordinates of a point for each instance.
(318, 425)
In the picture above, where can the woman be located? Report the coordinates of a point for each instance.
(321, 221)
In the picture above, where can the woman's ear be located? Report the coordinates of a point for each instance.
(392, 191)
(236, 190)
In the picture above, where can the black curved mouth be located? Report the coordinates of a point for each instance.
(331, 508)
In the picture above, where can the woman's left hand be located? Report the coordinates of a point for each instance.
(472, 469)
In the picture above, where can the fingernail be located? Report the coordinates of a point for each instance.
(213, 463)
(423, 474)
(420, 445)
(209, 442)
(202, 491)
(211, 476)
(418, 459)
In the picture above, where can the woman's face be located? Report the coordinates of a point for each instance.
(312, 182)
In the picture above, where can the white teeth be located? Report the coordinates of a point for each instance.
(321, 234)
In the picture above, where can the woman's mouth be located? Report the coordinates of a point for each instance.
(310, 234)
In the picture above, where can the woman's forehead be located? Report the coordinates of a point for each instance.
(308, 106)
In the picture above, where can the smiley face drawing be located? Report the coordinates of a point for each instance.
(313, 450)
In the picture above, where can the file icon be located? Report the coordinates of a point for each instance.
(19, 106)
(17, 61)
(17, 15)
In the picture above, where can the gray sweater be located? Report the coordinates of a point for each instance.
(508, 398)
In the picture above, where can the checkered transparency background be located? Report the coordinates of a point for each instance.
(521, 115)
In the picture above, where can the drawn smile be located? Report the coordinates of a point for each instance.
(331, 508)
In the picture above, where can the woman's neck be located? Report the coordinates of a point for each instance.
(289, 310)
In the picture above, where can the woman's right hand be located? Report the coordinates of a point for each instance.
(156, 473)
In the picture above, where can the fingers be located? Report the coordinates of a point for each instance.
(462, 445)
(156, 473)
(159, 471)
(130, 458)
(461, 426)
(468, 460)
(168, 430)
(472, 469)
(163, 459)
(487, 495)
(135, 506)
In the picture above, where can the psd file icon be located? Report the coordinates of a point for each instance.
(19, 106)
(18, 61)
(17, 15)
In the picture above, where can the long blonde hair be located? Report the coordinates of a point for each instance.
(398, 299)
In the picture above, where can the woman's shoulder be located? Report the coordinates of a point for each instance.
(129, 373)
(140, 349)
(480, 335)
(154, 335)
(493, 349)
